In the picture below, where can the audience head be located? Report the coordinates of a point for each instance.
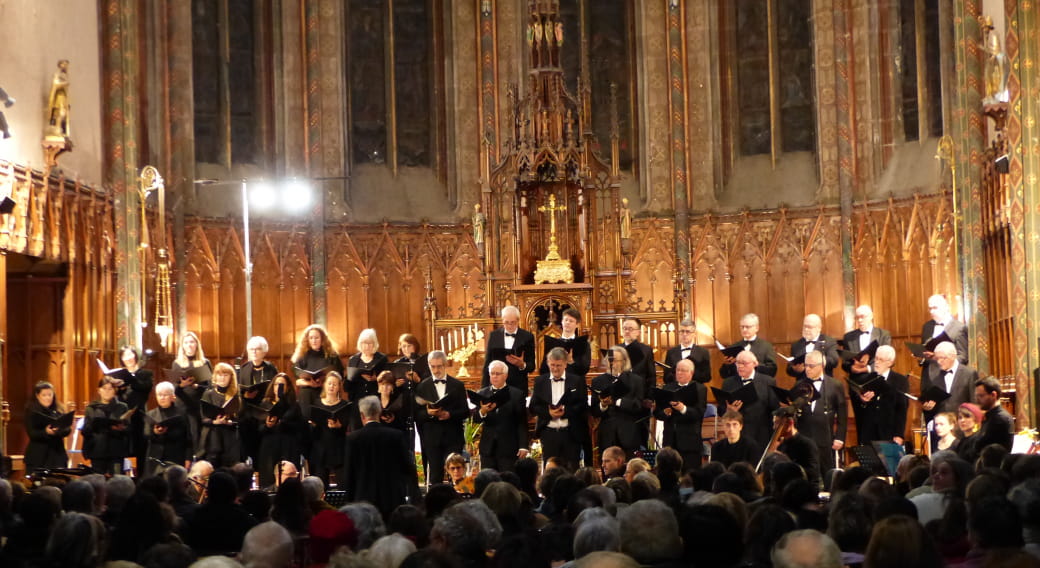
(78, 497)
(313, 488)
(267, 544)
(806, 548)
(601, 533)
(613, 462)
(221, 489)
(461, 532)
(484, 478)
(635, 466)
(993, 523)
(367, 521)
(409, 521)
(710, 536)
(650, 532)
(390, 551)
(765, 527)
(849, 522)
(330, 530)
(900, 540)
(76, 541)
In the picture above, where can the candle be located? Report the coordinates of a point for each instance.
(442, 343)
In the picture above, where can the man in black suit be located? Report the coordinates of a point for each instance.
(950, 375)
(377, 465)
(998, 425)
(688, 349)
(560, 403)
(440, 426)
(503, 438)
(682, 423)
(640, 354)
(580, 359)
(758, 416)
(858, 339)
(514, 346)
(942, 320)
(750, 341)
(825, 419)
(880, 417)
(813, 340)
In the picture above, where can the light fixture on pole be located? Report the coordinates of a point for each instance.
(150, 181)
(292, 195)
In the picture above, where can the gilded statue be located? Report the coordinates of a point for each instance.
(996, 66)
(626, 219)
(58, 105)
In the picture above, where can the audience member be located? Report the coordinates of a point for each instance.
(267, 545)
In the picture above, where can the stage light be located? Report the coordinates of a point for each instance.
(262, 195)
(296, 196)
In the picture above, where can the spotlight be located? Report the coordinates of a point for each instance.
(262, 195)
(296, 196)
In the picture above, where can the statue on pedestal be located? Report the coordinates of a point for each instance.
(56, 138)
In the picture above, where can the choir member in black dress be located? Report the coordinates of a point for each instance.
(734, 447)
(393, 401)
(326, 451)
(46, 447)
(166, 429)
(314, 351)
(364, 367)
(580, 354)
(190, 359)
(410, 352)
(105, 438)
(218, 443)
(134, 393)
(281, 429)
(618, 415)
(255, 371)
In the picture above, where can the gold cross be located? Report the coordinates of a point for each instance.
(554, 253)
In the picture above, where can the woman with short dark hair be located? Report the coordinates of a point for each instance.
(106, 441)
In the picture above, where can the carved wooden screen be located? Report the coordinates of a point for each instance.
(996, 249)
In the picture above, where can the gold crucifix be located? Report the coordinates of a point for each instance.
(554, 253)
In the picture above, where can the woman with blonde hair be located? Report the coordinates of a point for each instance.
(190, 374)
(364, 367)
(328, 433)
(221, 406)
(314, 351)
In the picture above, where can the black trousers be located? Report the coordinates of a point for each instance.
(560, 444)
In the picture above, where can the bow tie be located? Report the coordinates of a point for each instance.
(939, 324)
(686, 349)
(440, 381)
(865, 332)
(746, 381)
(555, 380)
(510, 334)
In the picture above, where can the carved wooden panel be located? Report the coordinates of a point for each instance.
(56, 322)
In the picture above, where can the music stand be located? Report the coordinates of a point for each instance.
(868, 457)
